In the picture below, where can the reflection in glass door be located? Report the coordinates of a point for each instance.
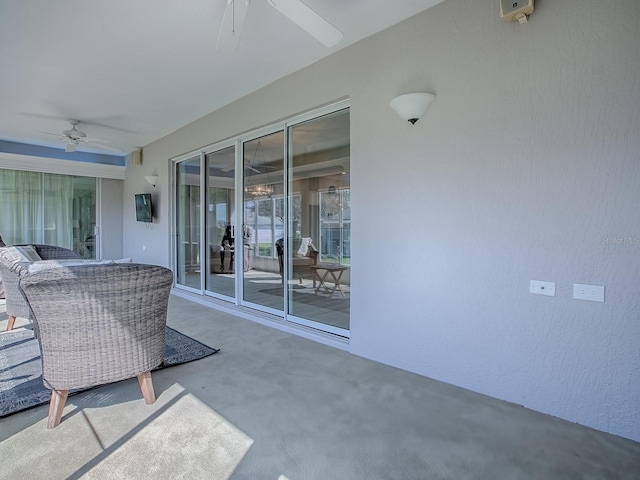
(188, 223)
(263, 221)
(318, 253)
(220, 218)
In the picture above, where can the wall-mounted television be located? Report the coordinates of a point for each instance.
(144, 212)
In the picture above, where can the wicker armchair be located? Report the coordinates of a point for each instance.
(98, 324)
(301, 261)
(15, 303)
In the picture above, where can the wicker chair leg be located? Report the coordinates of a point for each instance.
(56, 406)
(11, 322)
(144, 379)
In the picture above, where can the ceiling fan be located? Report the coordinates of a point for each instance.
(294, 10)
(75, 137)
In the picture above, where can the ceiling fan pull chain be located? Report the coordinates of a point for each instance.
(233, 16)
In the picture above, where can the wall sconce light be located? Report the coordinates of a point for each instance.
(152, 179)
(412, 106)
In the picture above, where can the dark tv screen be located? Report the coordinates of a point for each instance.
(143, 208)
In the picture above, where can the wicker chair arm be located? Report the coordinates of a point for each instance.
(11, 273)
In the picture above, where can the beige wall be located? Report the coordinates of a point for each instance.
(111, 218)
(525, 167)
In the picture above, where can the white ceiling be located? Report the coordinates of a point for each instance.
(133, 71)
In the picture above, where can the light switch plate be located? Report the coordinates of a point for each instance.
(593, 293)
(539, 287)
(512, 9)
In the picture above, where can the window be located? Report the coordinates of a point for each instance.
(335, 226)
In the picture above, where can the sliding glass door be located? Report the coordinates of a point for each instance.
(70, 213)
(263, 221)
(188, 223)
(318, 247)
(220, 222)
(274, 233)
(49, 208)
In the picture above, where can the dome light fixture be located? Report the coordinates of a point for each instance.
(412, 106)
(152, 179)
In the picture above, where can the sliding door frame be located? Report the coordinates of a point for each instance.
(238, 141)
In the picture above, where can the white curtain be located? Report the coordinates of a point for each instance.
(58, 210)
(21, 207)
(39, 208)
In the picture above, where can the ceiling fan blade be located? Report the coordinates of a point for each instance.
(308, 20)
(61, 137)
(102, 146)
(97, 140)
(74, 138)
(234, 16)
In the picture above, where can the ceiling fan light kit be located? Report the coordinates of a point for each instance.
(72, 146)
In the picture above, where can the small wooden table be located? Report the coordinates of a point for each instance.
(335, 270)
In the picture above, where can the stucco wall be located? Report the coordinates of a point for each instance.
(111, 218)
(526, 166)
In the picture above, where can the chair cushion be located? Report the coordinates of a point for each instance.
(304, 246)
(22, 254)
(48, 264)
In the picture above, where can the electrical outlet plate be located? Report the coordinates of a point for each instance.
(539, 287)
(593, 293)
(511, 10)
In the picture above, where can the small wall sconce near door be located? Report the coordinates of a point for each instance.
(152, 179)
(412, 106)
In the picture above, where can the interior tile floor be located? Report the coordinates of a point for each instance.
(264, 289)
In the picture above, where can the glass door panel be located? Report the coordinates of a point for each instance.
(70, 213)
(188, 223)
(84, 217)
(263, 221)
(318, 253)
(48, 208)
(220, 218)
(286, 248)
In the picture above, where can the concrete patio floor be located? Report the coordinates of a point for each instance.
(275, 406)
